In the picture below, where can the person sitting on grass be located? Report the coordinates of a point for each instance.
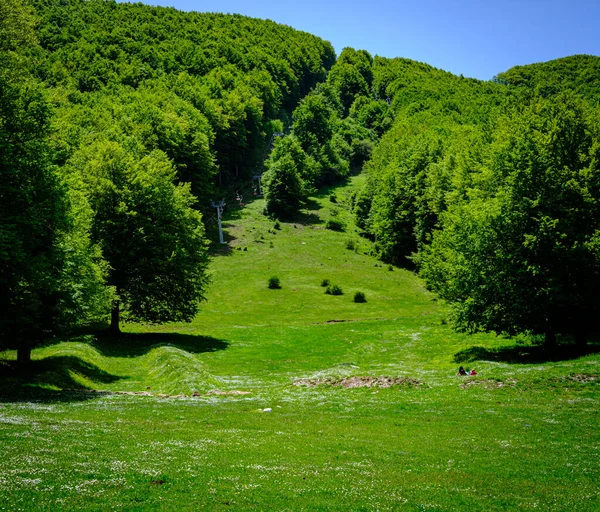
(461, 371)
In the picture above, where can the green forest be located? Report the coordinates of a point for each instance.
(240, 270)
(120, 123)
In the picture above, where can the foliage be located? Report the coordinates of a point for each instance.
(360, 297)
(274, 283)
(335, 224)
(334, 289)
(151, 237)
(518, 257)
(284, 191)
(204, 88)
(50, 276)
(577, 73)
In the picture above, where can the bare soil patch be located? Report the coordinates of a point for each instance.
(359, 382)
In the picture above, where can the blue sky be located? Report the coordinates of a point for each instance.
(478, 38)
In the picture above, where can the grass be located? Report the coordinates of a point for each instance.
(523, 434)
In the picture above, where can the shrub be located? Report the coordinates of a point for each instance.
(351, 245)
(360, 297)
(333, 198)
(325, 282)
(274, 283)
(334, 289)
(276, 225)
(334, 225)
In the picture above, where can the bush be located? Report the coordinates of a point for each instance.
(334, 225)
(351, 245)
(334, 289)
(360, 297)
(325, 282)
(333, 198)
(276, 225)
(274, 283)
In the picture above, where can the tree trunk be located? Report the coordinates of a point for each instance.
(580, 340)
(24, 354)
(550, 341)
(114, 319)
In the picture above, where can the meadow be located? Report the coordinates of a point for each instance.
(294, 399)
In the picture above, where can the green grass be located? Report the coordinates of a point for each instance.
(521, 435)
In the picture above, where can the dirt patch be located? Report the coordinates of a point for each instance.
(583, 378)
(489, 383)
(359, 382)
(232, 392)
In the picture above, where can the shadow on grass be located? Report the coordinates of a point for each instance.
(305, 218)
(217, 248)
(34, 381)
(520, 354)
(138, 344)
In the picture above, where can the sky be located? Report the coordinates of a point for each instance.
(475, 38)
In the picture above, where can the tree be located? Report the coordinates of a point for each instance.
(49, 271)
(305, 165)
(284, 192)
(312, 122)
(521, 255)
(348, 83)
(150, 235)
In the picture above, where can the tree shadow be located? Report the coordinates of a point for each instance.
(139, 344)
(306, 219)
(35, 381)
(311, 205)
(525, 354)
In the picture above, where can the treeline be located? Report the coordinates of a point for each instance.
(118, 123)
(490, 190)
(334, 130)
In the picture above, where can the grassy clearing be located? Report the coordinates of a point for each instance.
(522, 434)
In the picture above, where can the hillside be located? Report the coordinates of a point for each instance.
(365, 407)
(207, 89)
(414, 224)
(578, 73)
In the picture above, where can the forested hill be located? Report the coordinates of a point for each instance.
(101, 42)
(578, 73)
(206, 89)
(118, 125)
(491, 190)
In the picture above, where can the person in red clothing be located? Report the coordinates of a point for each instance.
(473, 372)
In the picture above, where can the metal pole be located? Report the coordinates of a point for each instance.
(219, 207)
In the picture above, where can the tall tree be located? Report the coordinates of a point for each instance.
(521, 255)
(284, 191)
(150, 235)
(48, 270)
